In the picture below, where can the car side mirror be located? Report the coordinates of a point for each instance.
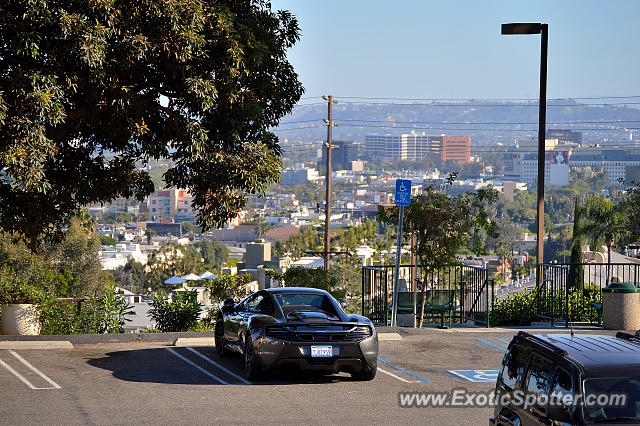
(229, 304)
(344, 303)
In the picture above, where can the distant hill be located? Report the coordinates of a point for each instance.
(486, 122)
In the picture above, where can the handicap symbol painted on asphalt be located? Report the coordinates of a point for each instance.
(476, 375)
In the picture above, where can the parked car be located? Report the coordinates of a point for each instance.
(567, 374)
(296, 328)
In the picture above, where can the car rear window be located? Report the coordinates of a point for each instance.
(318, 302)
(513, 365)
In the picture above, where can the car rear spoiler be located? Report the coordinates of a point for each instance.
(320, 324)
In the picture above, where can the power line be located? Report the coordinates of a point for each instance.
(487, 99)
(478, 129)
(490, 122)
(529, 104)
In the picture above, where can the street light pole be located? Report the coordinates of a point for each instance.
(543, 30)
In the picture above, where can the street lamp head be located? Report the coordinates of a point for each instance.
(522, 28)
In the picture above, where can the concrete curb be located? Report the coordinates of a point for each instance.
(194, 341)
(93, 339)
(383, 337)
(36, 344)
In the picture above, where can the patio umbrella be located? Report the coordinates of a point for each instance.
(174, 280)
(191, 277)
(208, 276)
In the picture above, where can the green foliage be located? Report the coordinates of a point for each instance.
(16, 290)
(313, 278)
(173, 259)
(91, 88)
(179, 315)
(214, 253)
(522, 308)
(107, 313)
(78, 254)
(107, 240)
(226, 285)
(131, 276)
(187, 227)
(96, 315)
(443, 224)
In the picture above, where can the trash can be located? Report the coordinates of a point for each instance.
(621, 306)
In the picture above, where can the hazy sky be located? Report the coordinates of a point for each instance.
(453, 49)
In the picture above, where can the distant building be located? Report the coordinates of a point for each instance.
(522, 164)
(456, 148)
(170, 203)
(416, 147)
(292, 177)
(343, 153)
(565, 136)
(164, 229)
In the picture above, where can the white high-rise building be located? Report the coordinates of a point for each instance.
(401, 147)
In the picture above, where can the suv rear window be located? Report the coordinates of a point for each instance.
(540, 374)
(513, 365)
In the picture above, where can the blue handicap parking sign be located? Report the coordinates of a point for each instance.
(403, 192)
(476, 375)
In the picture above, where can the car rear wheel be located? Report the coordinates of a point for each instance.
(251, 369)
(219, 338)
(366, 374)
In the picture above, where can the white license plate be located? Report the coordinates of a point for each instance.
(321, 351)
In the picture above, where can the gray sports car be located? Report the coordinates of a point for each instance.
(296, 328)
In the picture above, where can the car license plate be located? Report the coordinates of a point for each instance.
(321, 351)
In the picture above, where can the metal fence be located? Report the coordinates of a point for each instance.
(559, 300)
(474, 290)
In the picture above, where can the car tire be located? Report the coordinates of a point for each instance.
(219, 338)
(251, 369)
(366, 374)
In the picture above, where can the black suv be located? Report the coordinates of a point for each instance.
(569, 379)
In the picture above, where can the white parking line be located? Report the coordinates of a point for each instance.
(397, 377)
(220, 367)
(197, 367)
(35, 370)
(24, 379)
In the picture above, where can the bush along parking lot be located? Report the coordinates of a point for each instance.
(524, 307)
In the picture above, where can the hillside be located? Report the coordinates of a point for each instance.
(486, 122)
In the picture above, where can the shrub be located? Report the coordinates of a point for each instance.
(225, 285)
(522, 308)
(179, 315)
(97, 315)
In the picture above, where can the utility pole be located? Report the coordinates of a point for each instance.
(327, 208)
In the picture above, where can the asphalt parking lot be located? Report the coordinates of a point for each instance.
(124, 383)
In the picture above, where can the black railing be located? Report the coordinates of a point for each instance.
(474, 291)
(557, 299)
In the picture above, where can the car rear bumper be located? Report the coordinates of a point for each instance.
(347, 356)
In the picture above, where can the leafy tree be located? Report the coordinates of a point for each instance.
(312, 277)
(443, 224)
(214, 253)
(600, 218)
(173, 259)
(575, 276)
(131, 276)
(78, 254)
(90, 88)
(225, 285)
(187, 227)
(107, 240)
